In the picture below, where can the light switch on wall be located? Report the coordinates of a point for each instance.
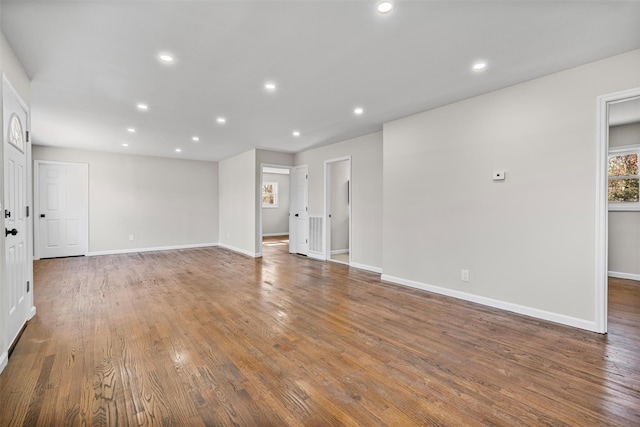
(498, 175)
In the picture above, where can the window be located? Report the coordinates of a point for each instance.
(624, 181)
(269, 194)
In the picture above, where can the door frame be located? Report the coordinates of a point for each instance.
(327, 203)
(271, 165)
(36, 201)
(602, 205)
(29, 223)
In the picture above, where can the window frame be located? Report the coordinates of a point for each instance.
(621, 151)
(273, 205)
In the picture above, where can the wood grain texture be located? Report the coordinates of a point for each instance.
(207, 337)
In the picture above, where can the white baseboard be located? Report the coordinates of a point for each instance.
(33, 312)
(275, 234)
(240, 251)
(4, 359)
(340, 251)
(316, 255)
(619, 275)
(366, 267)
(516, 308)
(160, 248)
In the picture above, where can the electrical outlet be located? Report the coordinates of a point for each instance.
(130, 236)
(498, 175)
(464, 275)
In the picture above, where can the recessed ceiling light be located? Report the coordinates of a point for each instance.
(142, 107)
(221, 120)
(479, 66)
(166, 58)
(132, 130)
(296, 133)
(125, 145)
(270, 86)
(178, 150)
(195, 139)
(358, 110)
(385, 6)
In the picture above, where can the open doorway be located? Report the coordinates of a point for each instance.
(275, 207)
(338, 210)
(616, 202)
(624, 215)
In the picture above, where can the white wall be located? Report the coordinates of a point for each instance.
(366, 186)
(238, 191)
(624, 227)
(529, 241)
(339, 202)
(17, 76)
(162, 202)
(275, 221)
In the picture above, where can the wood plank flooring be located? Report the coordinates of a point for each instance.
(206, 337)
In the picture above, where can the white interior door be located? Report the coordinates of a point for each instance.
(299, 242)
(17, 259)
(63, 216)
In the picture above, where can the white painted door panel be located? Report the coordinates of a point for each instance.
(300, 209)
(63, 209)
(17, 260)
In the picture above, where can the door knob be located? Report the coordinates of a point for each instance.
(297, 215)
(41, 215)
(12, 232)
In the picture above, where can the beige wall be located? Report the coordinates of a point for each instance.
(529, 242)
(238, 202)
(366, 187)
(624, 227)
(622, 135)
(162, 202)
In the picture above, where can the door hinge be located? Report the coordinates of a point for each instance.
(306, 209)
(306, 176)
(28, 286)
(27, 136)
(27, 211)
(306, 240)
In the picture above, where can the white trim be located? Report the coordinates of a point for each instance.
(602, 204)
(339, 251)
(503, 305)
(624, 207)
(36, 201)
(240, 251)
(275, 234)
(4, 359)
(33, 309)
(155, 249)
(316, 255)
(624, 148)
(370, 268)
(277, 171)
(619, 275)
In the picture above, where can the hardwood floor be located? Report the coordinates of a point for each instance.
(207, 337)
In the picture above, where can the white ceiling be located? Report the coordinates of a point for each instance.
(92, 61)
